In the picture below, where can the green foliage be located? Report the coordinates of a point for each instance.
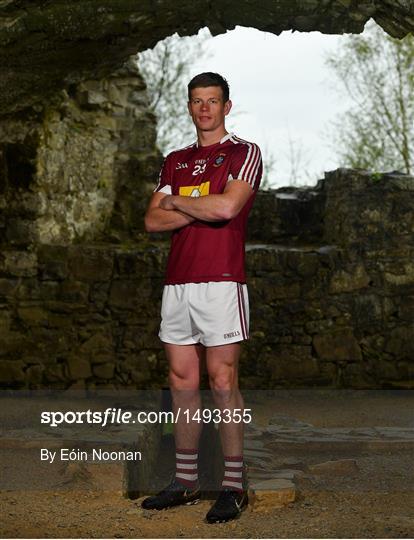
(166, 70)
(377, 176)
(377, 72)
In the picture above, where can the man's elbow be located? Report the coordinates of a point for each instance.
(228, 211)
(150, 224)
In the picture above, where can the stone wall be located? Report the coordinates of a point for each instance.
(81, 166)
(331, 273)
(335, 310)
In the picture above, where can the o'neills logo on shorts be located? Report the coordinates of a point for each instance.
(231, 334)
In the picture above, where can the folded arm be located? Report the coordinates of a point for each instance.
(213, 207)
(158, 219)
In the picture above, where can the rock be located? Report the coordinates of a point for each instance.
(253, 444)
(340, 467)
(90, 264)
(34, 374)
(18, 263)
(269, 494)
(79, 368)
(55, 373)
(33, 316)
(338, 344)
(292, 462)
(287, 421)
(342, 281)
(104, 371)
(11, 371)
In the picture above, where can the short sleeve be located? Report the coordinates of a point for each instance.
(247, 165)
(165, 177)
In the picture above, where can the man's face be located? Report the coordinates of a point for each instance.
(207, 108)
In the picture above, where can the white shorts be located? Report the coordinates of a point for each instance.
(210, 313)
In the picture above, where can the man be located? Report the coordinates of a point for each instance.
(204, 194)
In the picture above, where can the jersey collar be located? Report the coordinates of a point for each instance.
(222, 140)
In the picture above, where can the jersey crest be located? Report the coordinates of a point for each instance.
(219, 159)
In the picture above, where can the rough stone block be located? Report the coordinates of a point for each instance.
(340, 467)
(5, 319)
(79, 367)
(401, 342)
(53, 261)
(98, 343)
(33, 316)
(74, 292)
(21, 232)
(34, 374)
(14, 343)
(55, 373)
(293, 362)
(8, 287)
(128, 294)
(269, 494)
(402, 275)
(140, 377)
(18, 263)
(104, 371)
(11, 371)
(90, 264)
(339, 344)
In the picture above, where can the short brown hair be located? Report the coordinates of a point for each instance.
(209, 79)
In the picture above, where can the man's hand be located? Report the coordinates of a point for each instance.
(167, 203)
(157, 219)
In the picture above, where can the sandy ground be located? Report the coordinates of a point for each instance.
(377, 502)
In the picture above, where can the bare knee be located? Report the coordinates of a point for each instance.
(183, 381)
(223, 383)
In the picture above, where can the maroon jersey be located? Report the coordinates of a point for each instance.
(206, 250)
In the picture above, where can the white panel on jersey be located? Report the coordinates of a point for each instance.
(166, 189)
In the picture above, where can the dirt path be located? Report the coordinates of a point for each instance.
(377, 502)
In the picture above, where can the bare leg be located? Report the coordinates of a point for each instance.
(222, 365)
(184, 379)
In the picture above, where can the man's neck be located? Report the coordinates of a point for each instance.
(207, 138)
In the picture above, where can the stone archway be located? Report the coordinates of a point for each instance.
(47, 45)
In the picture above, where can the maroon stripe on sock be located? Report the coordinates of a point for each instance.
(185, 451)
(235, 480)
(186, 471)
(233, 458)
(187, 483)
(240, 490)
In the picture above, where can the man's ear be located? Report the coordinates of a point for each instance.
(227, 107)
(189, 108)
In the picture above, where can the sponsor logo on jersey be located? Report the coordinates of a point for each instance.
(195, 191)
(181, 166)
(231, 334)
(219, 160)
(200, 161)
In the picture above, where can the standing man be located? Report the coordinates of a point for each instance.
(204, 194)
